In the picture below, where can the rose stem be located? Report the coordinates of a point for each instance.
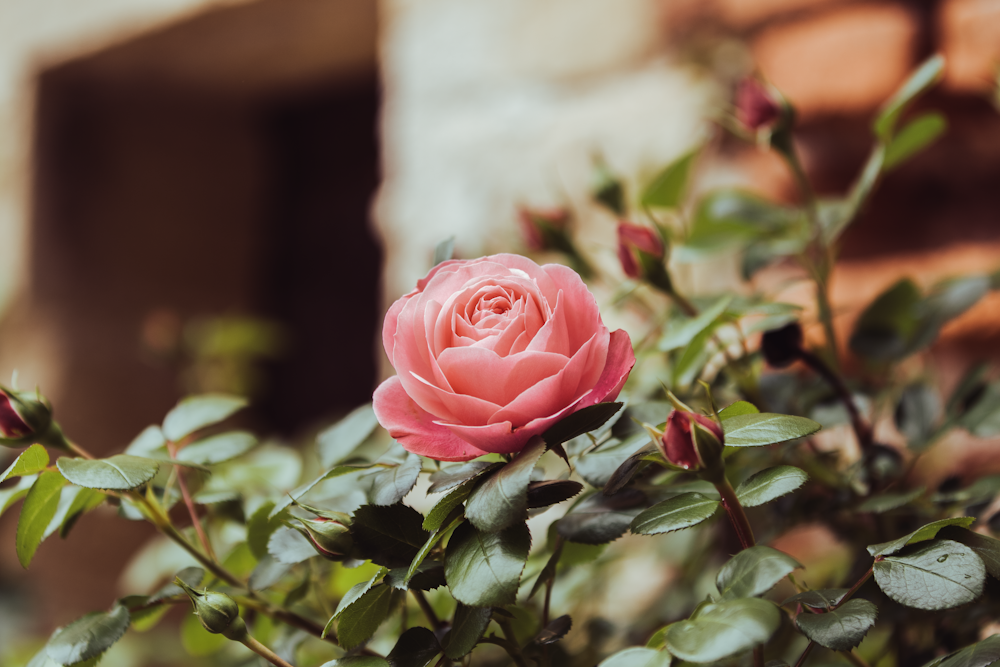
(264, 651)
(425, 606)
(511, 645)
(805, 654)
(862, 430)
(189, 501)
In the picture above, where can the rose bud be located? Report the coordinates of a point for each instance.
(544, 229)
(639, 250)
(756, 106)
(218, 613)
(782, 347)
(11, 424)
(692, 441)
(26, 418)
(331, 539)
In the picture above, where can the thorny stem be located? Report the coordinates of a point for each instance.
(189, 502)
(264, 652)
(861, 429)
(425, 607)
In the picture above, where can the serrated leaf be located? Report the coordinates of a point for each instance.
(31, 461)
(288, 546)
(500, 499)
(299, 492)
(391, 485)
(359, 621)
(770, 484)
(340, 440)
(841, 629)
(196, 412)
(927, 532)
(120, 472)
(986, 547)
(754, 571)
(885, 502)
(440, 512)
(599, 519)
(414, 648)
(824, 598)
(923, 78)
(554, 631)
(40, 506)
(980, 654)
(723, 629)
(551, 492)
(766, 428)
(356, 591)
(88, 637)
(914, 137)
(390, 536)
(484, 569)
(467, 628)
(436, 536)
(667, 189)
(452, 476)
(218, 448)
(683, 511)
(940, 575)
(582, 421)
(736, 409)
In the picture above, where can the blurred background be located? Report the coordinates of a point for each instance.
(224, 195)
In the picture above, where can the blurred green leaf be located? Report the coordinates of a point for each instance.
(357, 622)
(288, 546)
(39, 507)
(917, 135)
(500, 498)
(683, 511)
(766, 428)
(982, 418)
(841, 629)
(340, 440)
(923, 533)
(444, 250)
(391, 485)
(267, 573)
(607, 189)
(928, 74)
(885, 502)
(769, 484)
(637, 657)
(597, 466)
(358, 661)
(980, 654)
(723, 629)
(88, 636)
(725, 219)
(31, 461)
(580, 422)
(74, 502)
(119, 472)
(682, 331)
(484, 569)
(146, 443)
(599, 519)
(917, 414)
(939, 575)
(218, 448)
(754, 571)
(12, 494)
(667, 189)
(260, 526)
(692, 360)
(196, 412)
(390, 536)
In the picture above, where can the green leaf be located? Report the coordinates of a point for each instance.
(980, 654)
(31, 461)
(267, 573)
(753, 572)
(819, 599)
(667, 189)
(500, 499)
(693, 359)
(737, 409)
(340, 440)
(682, 331)
(841, 629)
(390, 536)
(196, 412)
(435, 537)
(916, 136)
(466, 630)
(358, 661)
(150, 441)
(359, 621)
(599, 519)
(940, 575)
(484, 569)
(88, 637)
(355, 593)
(922, 79)
(391, 485)
(440, 513)
(607, 189)
(260, 526)
(884, 330)
(580, 422)
(766, 428)
(218, 448)
(923, 533)
(119, 472)
(551, 492)
(289, 546)
(728, 218)
(769, 484)
(637, 657)
(39, 508)
(414, 648)
(885, 502)
(599, 465)
(723, 629)
(982, 419)
(452, 476)
(74, 502)
(917, 414)
(299, 492)
(683, 511)
(986, 547)
(12, 494)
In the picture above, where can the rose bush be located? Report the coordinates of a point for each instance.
(491, 351)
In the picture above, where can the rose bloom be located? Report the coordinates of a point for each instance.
(492, 351)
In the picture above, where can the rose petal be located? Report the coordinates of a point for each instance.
(415, 428)
(481, 372)
(617, 367)
(446, 404)
(496, 438)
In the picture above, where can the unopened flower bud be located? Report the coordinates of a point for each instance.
(756, 107)
(218, 613)
(782, 347)
(11, 424)
(692, 441)
(26, 418)
(640, 249)
(331, 539)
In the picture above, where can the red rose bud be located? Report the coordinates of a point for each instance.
(756, 106)
(11, 424)
(544, 229)
(634, 241)
(691, 441)
(331, 539)
(26, 418)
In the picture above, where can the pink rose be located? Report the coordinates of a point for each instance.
(492, 351)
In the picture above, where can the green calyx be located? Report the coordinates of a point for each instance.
(28, 420)
(218, 613)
